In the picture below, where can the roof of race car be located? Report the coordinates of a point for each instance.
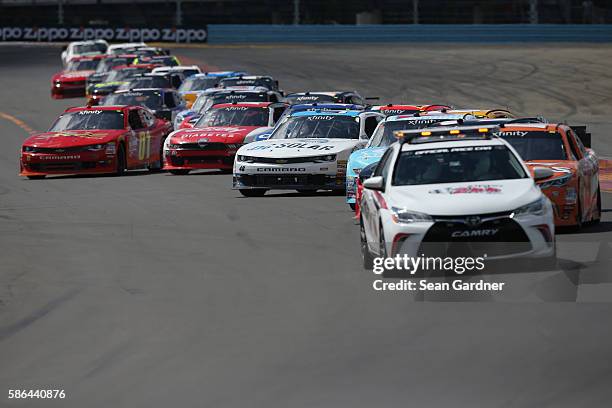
(243, 105)
(452, 143)
(536, 127)
(145, 90)
(238, 75)
(351, 113)
(328, 93)
(313, 106)
(217, 74)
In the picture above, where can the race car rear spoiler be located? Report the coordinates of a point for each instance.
(583, 135)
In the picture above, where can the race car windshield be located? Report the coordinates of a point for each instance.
(536, 145)
(456, 165)
(148, 82)
(83, 65)
(265, 82)
(385, 133)
(198, 84)
(110, 63)
(234, 116)
(152, 100)
(85, 48)
(123, 74)
(318, 126)
(235, 97)
(311, 98)
(89, 120)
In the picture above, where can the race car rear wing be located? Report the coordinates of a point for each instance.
(583, 135)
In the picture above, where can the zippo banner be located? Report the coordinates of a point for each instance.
(179, 35)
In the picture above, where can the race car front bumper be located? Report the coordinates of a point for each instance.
(222, 158)
(73, 89)
(41, 164)
(301, 176)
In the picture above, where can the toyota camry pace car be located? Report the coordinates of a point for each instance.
(306, 152)
(573, 186)
(383, 137)
(455, 191)
(198, 83)
(397, 109)
(71, 81)
(164, 103)
(215, 138)
(106, 139)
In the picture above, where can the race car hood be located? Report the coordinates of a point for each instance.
(288, 148)
(72, 138)
(218, 134)
(477, 197)
(72, 76)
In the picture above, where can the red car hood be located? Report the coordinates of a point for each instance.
(72, 75)
(72, 138)
(220, 134)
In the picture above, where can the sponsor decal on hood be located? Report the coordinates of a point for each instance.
(471, 189)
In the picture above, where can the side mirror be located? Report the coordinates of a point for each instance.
(541, 173)
(375, 183)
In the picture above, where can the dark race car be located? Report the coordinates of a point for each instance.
(106, 65)
(164, 103)
(116, 78)
(96, 140)
(250, 80)
(150, 80)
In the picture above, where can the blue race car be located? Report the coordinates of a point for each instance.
(382, 138)
(321, 107)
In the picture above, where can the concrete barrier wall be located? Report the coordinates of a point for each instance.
(493, 33)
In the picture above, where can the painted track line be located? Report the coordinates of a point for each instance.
(17, 122)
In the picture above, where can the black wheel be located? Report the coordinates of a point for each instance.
(121, 161)
(306, 191)
(366, 255)
(252, 193)
(180, 172)
(36, 177)
(353, 206)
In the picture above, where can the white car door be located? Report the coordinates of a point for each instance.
(372, 202)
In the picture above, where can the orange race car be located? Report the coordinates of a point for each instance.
(573, 184)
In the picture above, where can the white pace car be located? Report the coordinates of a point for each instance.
(306, 152)
(455, 190)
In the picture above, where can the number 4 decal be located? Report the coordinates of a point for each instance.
(144, 145)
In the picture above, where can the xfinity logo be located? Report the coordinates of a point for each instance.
(281, 169)
(474, 233)
(307, 98)
(515, 133)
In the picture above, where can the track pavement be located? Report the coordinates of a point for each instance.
(156, 290)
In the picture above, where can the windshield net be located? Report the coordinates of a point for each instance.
(198, 84)
(89, 120)
(536, 145)
(455, 165)
(234, 116)
(319, 126)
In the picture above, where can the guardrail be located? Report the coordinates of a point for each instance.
(485, 33)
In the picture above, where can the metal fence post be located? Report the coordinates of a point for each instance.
(533, 11)
(415, 11)
(296, 12)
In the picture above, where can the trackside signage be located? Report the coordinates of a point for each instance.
(123, 34)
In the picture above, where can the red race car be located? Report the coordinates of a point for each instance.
(398, 109)
(573, 182)
(71, 82)
(94, 140)
(213, 141)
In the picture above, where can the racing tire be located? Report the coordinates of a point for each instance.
(366, 255)
(252, 192)
(353, 206)
(36, 177)
(180, 172)
(121, 161)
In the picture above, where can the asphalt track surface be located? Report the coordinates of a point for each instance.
(154, 290)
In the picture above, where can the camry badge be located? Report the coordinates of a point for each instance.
(473, 221)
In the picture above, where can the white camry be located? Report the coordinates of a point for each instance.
(307, 151)
(455, 191)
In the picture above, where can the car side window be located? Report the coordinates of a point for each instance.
(169, 100)
(382, 169)
(571, 138)
(148, 118)
(134, 120)
(278, 112)
(581, 147)
(370, 125)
